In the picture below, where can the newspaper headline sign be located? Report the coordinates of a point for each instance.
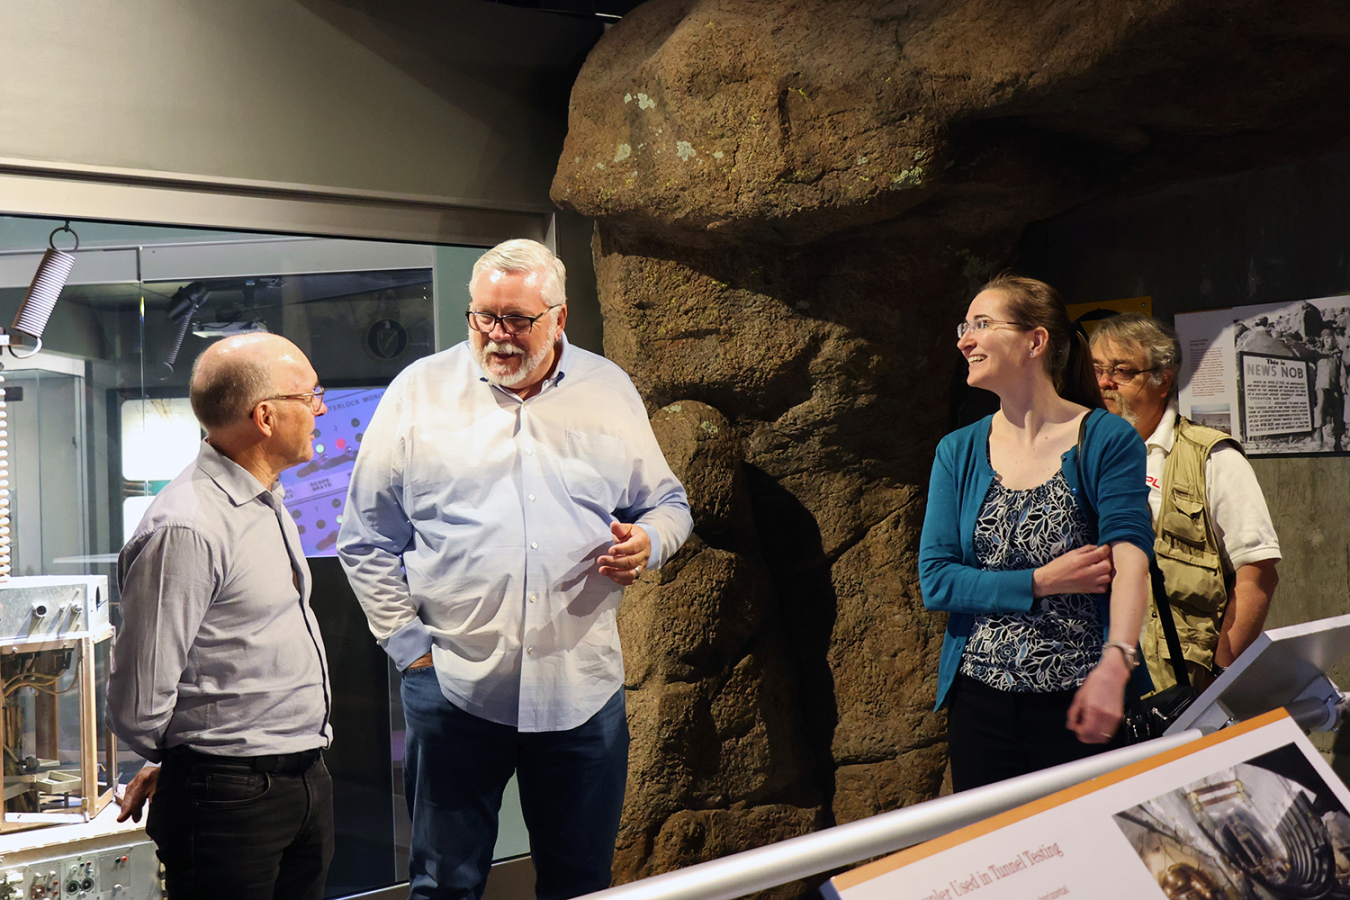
(1276, 376)
(1275, 393)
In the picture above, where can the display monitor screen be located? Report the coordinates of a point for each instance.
(317, 490)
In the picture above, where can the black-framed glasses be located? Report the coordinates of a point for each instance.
(1120, 374)
(484, 322)
(315, 397)
(982, 324)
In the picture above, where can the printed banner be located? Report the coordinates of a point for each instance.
(1248, 813)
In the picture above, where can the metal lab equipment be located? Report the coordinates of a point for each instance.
(99, 860)
(59, 755)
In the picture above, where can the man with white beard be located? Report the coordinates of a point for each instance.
(505, 492)
(1216, 545)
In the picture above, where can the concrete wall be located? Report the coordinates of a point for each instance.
(446, 101)
(1268, 236)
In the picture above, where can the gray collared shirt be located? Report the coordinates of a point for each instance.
(218, 649)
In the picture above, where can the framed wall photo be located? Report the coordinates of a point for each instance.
(1276, 376)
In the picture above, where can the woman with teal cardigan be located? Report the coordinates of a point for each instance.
(1037, 553)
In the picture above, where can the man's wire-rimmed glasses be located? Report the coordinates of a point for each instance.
(315, 397)
(484, 322)
(1120, 374)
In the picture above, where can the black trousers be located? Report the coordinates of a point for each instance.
(994, 735)
(229, 831)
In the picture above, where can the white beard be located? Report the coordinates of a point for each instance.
(513, 378)
(1123, 405)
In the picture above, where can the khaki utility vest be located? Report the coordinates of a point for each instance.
(1188, 554)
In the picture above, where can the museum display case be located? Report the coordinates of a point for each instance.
(100, 421)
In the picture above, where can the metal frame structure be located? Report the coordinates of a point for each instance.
(36, 188)
(92, 801)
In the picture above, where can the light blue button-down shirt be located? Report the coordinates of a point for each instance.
(475, 520)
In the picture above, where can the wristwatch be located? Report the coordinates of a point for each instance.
(1131, 653)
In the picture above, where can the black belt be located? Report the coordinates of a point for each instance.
(282, 764)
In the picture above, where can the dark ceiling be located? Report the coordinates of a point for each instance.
(600, 9)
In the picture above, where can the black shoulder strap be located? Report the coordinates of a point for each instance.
(1169, 625)
(1082, 485)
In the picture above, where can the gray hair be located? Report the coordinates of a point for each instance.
(1157, 340)
(524, 255)
(227, 392)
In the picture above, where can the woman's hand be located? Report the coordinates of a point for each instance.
(1086, 570)
(1099, 705)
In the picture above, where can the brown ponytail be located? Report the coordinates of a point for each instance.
(1080, 379)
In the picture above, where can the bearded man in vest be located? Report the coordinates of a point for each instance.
(1215, 542)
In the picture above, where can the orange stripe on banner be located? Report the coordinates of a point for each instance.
(1027, 810)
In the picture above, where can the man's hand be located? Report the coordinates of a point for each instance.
(420, 663)
(629, 555)
(140, 790)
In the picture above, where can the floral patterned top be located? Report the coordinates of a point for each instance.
(1056, 644)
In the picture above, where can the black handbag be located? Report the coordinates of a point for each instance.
(1148, 717)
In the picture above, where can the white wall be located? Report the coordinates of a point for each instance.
(455, 99)
(449, 101)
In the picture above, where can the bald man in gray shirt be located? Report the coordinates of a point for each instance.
(219, 670)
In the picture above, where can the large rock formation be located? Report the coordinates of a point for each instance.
(794, 200)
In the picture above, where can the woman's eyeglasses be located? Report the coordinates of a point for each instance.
(981, 324)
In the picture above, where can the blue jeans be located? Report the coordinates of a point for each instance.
(455, 768)
(225, 832)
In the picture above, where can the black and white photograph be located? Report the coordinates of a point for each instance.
(1293, 384)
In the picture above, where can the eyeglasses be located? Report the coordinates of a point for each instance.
(982, 324)
(315, 397)
(484, 322)
(1120, 374)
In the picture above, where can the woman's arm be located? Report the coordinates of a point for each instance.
(1099, 704)
(1114, 471)
(948, 584)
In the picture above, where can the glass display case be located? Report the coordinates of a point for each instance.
(100, 422)
(59, 754)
